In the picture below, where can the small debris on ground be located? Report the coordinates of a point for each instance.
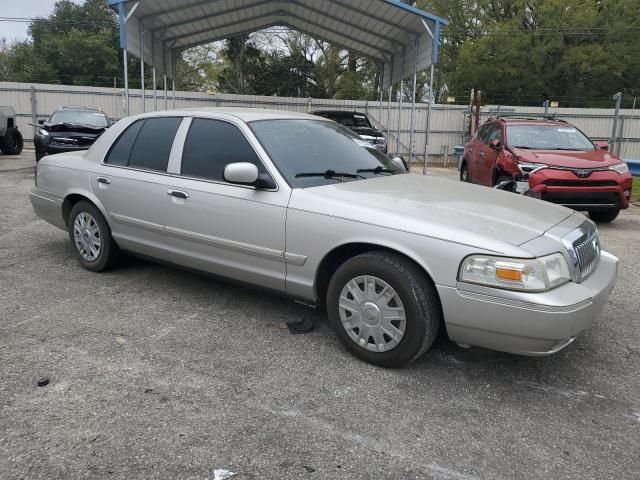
(303, 326)
(309, 469)
(43, 381)
(222, 474)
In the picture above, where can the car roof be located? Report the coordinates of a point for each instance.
(244, 114)
(528, 121)
(80, 107)
(338, 112)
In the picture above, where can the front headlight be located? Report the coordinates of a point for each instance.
(43, 132)
(527, 168)
(531, 275)
(621, 168)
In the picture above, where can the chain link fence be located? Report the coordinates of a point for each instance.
(449, 124)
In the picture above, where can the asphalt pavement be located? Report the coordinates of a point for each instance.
(155, 372)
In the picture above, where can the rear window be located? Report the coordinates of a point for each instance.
(145, 144)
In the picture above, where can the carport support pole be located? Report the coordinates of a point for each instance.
(413, 103)
(166, 100)
(389, 115)
(155, 91)
(400, 104)
(126, 82)
(142, 89)
(428, 137)
(173, 85)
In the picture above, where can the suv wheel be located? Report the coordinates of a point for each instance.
(90, 237)
(604, 216)
(464, 173)
(383, 309)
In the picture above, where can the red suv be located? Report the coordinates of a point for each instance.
(551, 160)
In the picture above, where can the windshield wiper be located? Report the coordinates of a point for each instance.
(329, 174)
(377, 170)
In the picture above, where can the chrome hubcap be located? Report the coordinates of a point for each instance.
(372, 313)
(86, 236)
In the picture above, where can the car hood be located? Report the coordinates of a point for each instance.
(372, 132)
(73, 128)
(437, 208)
(569, 159)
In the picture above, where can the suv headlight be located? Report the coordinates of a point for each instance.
(531, 275)
(43, 132)
(621, 168)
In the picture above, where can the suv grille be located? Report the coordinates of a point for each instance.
(583, 245)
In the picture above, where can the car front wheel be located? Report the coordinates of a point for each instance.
(90, 237)
(383, 308)
(604, 216)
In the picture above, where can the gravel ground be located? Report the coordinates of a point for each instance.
(161, 373)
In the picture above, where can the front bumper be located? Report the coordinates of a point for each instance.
(601, 190)
(527, 323)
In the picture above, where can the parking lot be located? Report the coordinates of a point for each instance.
(157, 372)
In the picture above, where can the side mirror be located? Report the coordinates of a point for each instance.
(41, 122)
(495, 144)
(602, 145)
(244, 173)
(401, 163)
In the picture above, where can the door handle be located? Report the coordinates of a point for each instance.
(178, 194)
(104, 180)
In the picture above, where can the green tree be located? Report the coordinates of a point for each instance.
(76, 44)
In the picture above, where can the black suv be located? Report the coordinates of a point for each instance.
(359, 123)
(69, 129)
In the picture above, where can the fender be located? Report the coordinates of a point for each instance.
(89, 196)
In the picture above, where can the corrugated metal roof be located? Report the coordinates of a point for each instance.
(388, 31)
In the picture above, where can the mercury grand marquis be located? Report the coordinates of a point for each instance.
(300, 205)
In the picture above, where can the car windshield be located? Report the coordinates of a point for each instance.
(301, 148)
(547, 137)
(352, 120)
(80, 117)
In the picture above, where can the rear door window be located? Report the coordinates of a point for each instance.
(146, 144)
(211, 145)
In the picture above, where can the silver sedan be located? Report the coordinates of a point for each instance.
(300, 205)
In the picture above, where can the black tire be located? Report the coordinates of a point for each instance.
(605, 215)
(415, 290)
(464, 172)
(108, 252)
(12, 142)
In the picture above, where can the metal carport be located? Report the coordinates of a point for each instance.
(402, 39)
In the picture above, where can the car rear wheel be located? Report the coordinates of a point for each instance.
(604, 216)
(383, 308)
(12, 142)
(90, 237)
(464, 173)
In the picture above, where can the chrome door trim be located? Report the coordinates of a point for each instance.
(135, 222)
(226, 244)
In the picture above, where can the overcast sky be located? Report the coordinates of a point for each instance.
(22, 9)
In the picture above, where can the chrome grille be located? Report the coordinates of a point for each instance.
(583, 246)
(588, 253)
